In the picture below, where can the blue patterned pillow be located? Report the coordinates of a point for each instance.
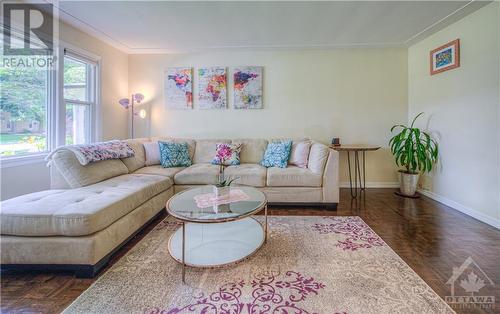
(277, 154)
(174, 154)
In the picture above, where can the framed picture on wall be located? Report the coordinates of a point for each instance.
(248, 87)
(212, 88)
(445, 57)
(179, 88)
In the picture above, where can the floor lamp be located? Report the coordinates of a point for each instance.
(136, 98)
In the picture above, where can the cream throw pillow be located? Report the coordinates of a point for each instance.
(300, 154)
(152, 150)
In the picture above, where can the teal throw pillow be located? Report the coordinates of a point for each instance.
(174, 154)
(277, 154)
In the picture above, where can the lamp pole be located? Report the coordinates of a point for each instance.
(132, 125)
(130, 104)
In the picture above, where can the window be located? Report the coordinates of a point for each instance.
(79, 98)
(36, 116)
(24, 99)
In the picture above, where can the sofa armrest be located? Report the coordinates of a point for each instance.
(331, 178)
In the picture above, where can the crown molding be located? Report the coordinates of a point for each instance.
(453, 17)
(88, 29)
(264, 48)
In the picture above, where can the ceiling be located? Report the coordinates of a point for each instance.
(177, 27)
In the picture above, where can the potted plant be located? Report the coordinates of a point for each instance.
(416, 151)
(222, 187)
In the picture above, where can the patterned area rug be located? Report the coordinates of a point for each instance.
(309, 265)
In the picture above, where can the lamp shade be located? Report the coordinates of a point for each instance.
(124, 102)
(138, 97)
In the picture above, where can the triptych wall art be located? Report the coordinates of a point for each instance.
(212, 87)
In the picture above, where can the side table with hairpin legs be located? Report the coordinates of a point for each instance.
(356, 149)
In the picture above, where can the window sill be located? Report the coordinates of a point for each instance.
(16, 161)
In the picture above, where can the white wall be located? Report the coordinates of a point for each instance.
(354, 94)
(462, 109)
(114, 85)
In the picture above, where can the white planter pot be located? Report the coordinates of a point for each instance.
(408, 183)
(222, 192)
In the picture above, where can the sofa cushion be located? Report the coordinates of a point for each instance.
(198, 174)
(159, 170)
(152, 151)
(317, 157)
(190, 142)
(293, 176)
(77, 175)
(252, 150)
(300, 154)
(277, 154)
(227, 154)
(205, 149)
(174, 154)
(81, 211)
(249, 174)
(138, 160)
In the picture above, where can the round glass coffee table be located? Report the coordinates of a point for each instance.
(216, 235)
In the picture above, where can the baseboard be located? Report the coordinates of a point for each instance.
(383, 185)
(461, 208)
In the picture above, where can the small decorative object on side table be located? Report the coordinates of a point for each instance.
(357, 167)
(336, 142)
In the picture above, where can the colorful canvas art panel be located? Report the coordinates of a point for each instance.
(212, 89)
(248, 87)
(445, 58)
(179, 88)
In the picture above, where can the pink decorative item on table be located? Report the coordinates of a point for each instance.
(210, 199)
(299, 154)
(225, 155)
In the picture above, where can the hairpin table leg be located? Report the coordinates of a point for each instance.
(354, 191)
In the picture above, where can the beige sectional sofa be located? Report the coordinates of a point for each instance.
(92, 210)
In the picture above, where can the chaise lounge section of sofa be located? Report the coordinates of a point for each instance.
(92, 210)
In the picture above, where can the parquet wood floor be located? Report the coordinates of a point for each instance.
(430, 237)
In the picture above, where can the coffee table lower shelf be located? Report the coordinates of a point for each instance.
(217, 244)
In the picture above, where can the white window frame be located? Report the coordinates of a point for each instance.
(56, 108)
(93, 92)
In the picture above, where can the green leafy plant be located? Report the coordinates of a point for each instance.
(225, 183)
(413, 149)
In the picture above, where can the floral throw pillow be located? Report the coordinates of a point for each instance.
(174, 154)
(277, 154)
(227, 154)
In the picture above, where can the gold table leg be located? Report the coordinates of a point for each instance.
(265, 227)
(183, 252)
